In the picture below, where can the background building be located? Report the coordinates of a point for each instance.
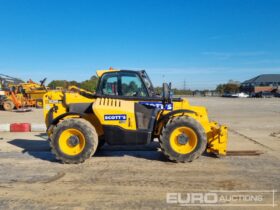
(262, 83)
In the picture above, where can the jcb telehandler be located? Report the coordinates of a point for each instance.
(125, 110)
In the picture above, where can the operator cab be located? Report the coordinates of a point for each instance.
(125, 83)
(128, 84)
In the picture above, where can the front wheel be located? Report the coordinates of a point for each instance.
(183, 139)
(74, 140)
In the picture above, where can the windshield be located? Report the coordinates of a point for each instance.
(148, 82)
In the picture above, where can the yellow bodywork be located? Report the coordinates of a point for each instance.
(76, 89)
(216, 134)
(101, 72)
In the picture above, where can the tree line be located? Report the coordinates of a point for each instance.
(89, 84)
(230, 87)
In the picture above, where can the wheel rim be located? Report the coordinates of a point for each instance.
(7, 106)
(71, 142)
(183, 140)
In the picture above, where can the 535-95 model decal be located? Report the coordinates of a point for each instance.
(158, 105)
(115, 117)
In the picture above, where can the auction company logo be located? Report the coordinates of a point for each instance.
(224, 198)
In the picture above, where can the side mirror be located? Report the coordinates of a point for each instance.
(166, 92)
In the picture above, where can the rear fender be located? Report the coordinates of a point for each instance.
(89, 117)
(54, 122)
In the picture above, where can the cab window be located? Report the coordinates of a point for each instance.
(110, 84)
(131, 85)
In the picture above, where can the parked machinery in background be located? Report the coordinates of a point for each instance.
(5, 83)
(18, 94)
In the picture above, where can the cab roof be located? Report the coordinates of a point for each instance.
(99, 73)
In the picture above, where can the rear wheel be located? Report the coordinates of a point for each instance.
(74, 141)
(183, 139)
(8, 105)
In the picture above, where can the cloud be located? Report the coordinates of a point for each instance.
(215, 37)
(176, 70)
(202, 71)
(228, 55)
(263, 61)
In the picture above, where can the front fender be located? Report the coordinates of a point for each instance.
(54, 122)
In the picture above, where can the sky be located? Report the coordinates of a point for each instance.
(201, 42)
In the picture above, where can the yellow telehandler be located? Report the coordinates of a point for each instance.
(125, 110)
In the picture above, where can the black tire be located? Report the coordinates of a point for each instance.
(89, 133)
(182, 121)
(8, 105)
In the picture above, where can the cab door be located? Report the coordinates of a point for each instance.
(115, 108)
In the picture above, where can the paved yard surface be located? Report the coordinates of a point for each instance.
(140, 177)
(33, 116)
